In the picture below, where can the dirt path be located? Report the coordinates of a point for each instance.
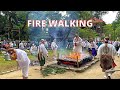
(93, 72)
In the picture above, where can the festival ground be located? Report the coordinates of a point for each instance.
(93, 72)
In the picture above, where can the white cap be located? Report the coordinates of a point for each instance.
(42, 40)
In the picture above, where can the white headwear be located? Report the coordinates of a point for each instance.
(54, 40)
(42, 40)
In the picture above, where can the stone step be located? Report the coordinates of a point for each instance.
(80, 69)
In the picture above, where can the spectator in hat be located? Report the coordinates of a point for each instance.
(42, 53)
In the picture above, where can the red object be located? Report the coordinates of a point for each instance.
(114, 64)
(75, 44)
(68, 63)
(6, 46)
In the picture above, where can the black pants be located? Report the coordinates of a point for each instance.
(42, 61)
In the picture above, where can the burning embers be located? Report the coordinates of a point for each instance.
(74, 56)
(73, 59)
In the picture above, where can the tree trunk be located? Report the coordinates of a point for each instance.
(11, 27)
(21, 30)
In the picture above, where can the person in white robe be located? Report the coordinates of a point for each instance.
(46, 44)
(101, 50)
(116, 45)
(42, 53)
(93, 47)
(54, 48)
(118, 52)
(84, 46)
(22, 59)
(77, 42)
(33, 49)
(107, 49)
(11, 45)
(21, 45)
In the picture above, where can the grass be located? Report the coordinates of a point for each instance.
(9, 65)
(6, 65)
(32, 57)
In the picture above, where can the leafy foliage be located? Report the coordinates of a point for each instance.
(87, 33)
(51, 70)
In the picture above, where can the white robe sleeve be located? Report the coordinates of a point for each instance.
(31, 49)
(89, 45)
(52, 45)
(99, 52)
(114, 50)
(114, 44)
(96, 47)
(44, 50)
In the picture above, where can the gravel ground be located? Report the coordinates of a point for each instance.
(93, 72)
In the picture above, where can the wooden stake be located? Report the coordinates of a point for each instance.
(77, 62)
(58, 56)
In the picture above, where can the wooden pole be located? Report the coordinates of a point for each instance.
(77, 62)
(107, 71)
(19, 34)
(58, 56)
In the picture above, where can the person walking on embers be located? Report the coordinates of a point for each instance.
(42, 53)
(106, 53)
(77, 44)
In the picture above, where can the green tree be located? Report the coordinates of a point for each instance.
(87, 33)
(22, 17)
(16, 20)
(109, 31)
(116, 26)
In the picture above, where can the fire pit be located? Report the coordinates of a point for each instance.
(74, 59)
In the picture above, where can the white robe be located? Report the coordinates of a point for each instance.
(112, 49)
(33, 50)
(78, 42)
(22, 58)
(21, 46)
(115, 43)
(93, 45)
(54, 48)
(43, 50)
(87, 44)
(11, 44)
(84, 44)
